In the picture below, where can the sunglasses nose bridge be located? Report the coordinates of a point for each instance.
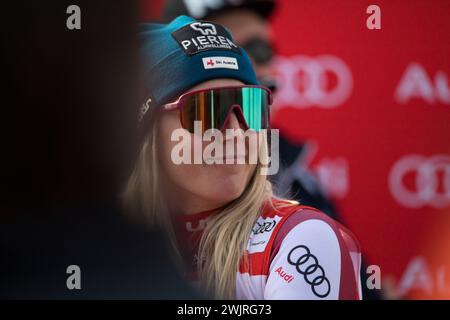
(237, 109)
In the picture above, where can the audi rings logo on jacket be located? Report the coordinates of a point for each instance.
(263, 227)
(308, 266)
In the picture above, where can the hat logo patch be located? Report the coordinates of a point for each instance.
(220, 62)
(203, 36)
(204, 28)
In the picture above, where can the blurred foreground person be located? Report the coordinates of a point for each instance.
(65, 151)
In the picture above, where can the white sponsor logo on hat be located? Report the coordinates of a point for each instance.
(220, 62)
(204, 28)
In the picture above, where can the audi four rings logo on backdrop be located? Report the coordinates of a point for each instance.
(431, 181)
(324, 81)
(308, 266)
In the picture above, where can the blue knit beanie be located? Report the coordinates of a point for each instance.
(186, 52)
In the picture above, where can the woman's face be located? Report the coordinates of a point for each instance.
(193, 188)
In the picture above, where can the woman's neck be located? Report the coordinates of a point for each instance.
(190, 204)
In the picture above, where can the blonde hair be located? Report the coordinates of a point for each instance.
(224, 239)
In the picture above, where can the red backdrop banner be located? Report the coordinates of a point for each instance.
(375, 106)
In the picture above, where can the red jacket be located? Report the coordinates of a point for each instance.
(294, 252)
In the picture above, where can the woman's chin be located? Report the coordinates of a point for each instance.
(230, 189)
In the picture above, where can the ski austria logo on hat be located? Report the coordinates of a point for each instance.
(203, 36)
(220, 62)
